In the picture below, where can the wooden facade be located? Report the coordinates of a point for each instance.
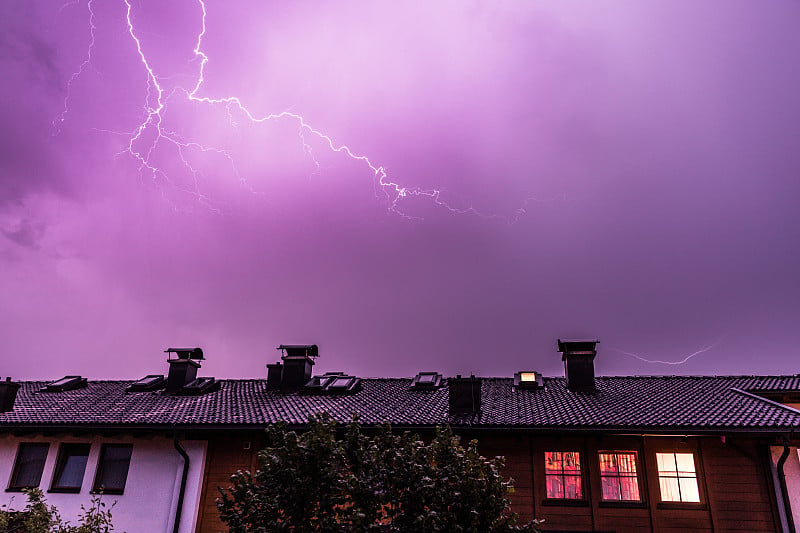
(733, 478)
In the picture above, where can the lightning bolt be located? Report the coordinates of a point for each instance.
(75, 75)
(678, 362)
(150, 134)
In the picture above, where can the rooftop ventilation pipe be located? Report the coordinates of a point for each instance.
(8, 395)
(182, 369)
(578, 357)
(295, 371)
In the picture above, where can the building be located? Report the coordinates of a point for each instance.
(587, 453)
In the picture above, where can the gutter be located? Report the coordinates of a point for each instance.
(179, 508)
(787, 507)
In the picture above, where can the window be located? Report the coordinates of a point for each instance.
(70, 467)
(562, 473)
(29, 465)
(618, 476)
(112, 470)
(677, 477)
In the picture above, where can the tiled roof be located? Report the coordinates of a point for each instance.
(663, 403)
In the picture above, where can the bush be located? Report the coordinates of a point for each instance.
(38, 517)
(314, 481)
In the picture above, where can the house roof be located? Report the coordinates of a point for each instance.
(658, 403)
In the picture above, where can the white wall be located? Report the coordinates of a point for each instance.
(150, 497)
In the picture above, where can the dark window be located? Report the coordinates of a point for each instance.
(112, 470)
(618, 476)
(562, 472)
(70, 467)
(29, 465)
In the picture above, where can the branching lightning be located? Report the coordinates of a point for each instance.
(145, 138)
(85, 63)
(677, 362)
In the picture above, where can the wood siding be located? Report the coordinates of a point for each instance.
(733, 480)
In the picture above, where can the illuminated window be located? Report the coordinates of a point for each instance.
(29, 465)
(562, 473)
(112, 470)
(618, 476)
(70, 467)
(677, 477)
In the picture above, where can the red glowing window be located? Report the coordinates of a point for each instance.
(562, 473)
(618, 476)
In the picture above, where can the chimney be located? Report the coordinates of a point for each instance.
(297, 363)
(8, 395)
(182, 369)
(578, 357)
(465, 394)
(274, 372)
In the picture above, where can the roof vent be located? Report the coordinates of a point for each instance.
(528, 380)
(464, 394)
(295, 371)
(182, 369)
(578, 357)
(66, 383)
(426, 381)
(8, 395)
(148, 383)
(201, 386)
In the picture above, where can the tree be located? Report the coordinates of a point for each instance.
(315, 481)
(38, 517)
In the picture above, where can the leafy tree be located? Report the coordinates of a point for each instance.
(38, 517)
(315, 481)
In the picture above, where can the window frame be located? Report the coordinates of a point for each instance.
(550, 500)
(66, 450)
(697, 480)
(101, 466)
(15, 487)
(638, 476)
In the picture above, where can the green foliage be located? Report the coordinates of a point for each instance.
(315, 481)
(38, 517)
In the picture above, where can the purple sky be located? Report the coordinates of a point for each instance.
(625, 171)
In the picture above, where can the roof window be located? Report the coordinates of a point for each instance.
(426, 380)
(332, 382)
(66, 383)
(148, 383)
(528, 379)
(201, 386)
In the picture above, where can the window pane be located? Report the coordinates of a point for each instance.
(555, 488)
(685, 462)
(553, 461)
(629, 488)
(29, 466)
(689, 492)
(71, 466)
(666, 463)
(669, 489)
(113, 468)
(626, 462)
(572, 487)
(608, 463)
(572, 462)
(610, 488)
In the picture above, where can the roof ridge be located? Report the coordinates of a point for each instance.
(766, 400)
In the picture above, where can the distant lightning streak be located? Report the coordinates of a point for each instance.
(660, 362)
(75, 75)
(144, 140)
